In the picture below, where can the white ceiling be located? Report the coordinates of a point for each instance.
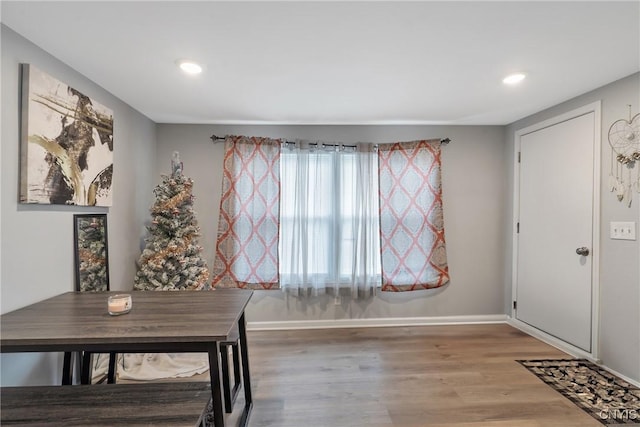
(338, 62)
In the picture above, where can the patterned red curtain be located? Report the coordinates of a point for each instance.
(247, 246)
(411, 223)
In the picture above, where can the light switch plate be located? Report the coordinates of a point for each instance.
(623, 230)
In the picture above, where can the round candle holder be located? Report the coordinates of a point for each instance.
(119, 304)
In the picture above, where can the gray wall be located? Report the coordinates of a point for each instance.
(474, 186)
(619, 259)
(37, 241)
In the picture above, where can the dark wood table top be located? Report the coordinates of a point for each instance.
(158, 322)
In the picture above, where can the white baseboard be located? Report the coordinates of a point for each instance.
(566, 347)
(378, 322)
(552, 341)
(624, 377)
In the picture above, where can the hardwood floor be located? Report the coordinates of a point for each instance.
(435, 376)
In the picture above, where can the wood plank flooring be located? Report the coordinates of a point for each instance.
(439, 376)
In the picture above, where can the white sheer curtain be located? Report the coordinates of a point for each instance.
(329, 225)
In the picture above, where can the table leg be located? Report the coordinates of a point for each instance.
(226, 384)
(111, 372)
(85, 366)
(216, 389)
(244, 354)
(67, 375)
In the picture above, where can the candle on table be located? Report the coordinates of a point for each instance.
(119, 304)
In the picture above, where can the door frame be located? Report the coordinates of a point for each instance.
(594, 107)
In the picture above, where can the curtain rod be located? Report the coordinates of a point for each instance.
(215, 138)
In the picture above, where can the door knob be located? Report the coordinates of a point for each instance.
(582, 251)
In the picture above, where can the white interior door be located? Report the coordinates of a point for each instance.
(556, 202)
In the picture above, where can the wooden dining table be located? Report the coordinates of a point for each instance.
(159, 322)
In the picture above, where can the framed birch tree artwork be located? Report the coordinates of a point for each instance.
(66, 154)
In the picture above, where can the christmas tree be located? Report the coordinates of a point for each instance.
(171, 259)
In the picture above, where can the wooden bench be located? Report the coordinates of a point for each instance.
(230, 393)
(157, 404)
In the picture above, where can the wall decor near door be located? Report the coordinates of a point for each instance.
(91, 252)
(66, 154)
(624, 139)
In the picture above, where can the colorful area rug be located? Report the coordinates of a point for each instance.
(605, 397)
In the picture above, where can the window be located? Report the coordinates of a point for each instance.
(329, 227)
(310, 217)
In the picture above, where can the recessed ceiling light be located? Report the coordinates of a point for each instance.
(189, 67)
(513, 79)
